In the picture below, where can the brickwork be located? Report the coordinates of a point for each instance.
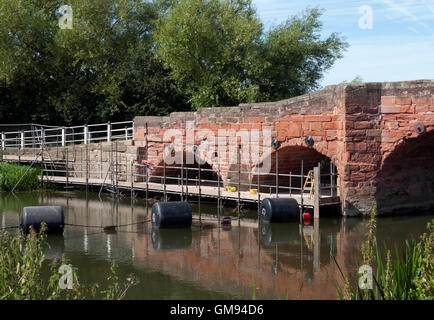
(100, 157)
(361, 128)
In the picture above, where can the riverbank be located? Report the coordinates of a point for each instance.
(19, 178)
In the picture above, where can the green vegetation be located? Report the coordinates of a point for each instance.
(124, 58)
(357, 80)
(102, 69)
(11, 174)
(409, 275)
(21, 273)
(220, 55)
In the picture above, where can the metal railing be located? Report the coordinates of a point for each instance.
(42, 136)
(185, 177)
(115, 174)
(146, 177)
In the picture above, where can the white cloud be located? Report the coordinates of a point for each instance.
(407, 10)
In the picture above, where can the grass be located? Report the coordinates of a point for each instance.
(409, 275)
(10, 175)
(22, 277)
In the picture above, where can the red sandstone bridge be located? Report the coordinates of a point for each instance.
(366, 143)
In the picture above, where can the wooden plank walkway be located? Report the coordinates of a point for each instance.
(192, 190)
(24, 158)
(189, 190)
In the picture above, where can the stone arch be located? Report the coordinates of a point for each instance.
(405, 181)
(290, 155)
(209, 172)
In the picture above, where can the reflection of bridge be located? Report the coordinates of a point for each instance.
(370, 140)
(276, 258)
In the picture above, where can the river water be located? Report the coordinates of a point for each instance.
(207, 262)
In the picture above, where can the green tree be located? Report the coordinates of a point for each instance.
(294, 57)
(132, 57)
(101, 69)
(357, 79)
(220, 55)
(210, 47)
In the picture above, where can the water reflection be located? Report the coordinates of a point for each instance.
(209, 260)
(55, 247)
(171, 239)
(278, 233)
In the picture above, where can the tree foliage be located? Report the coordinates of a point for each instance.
(219, 52)
(294, 57)
(210, 47)
(124, 58)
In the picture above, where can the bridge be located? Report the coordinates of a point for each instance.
(378, 135)
(353, 144)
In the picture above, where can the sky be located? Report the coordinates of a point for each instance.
(396, 44)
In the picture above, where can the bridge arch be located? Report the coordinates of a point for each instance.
(290, 156)
(208, 175)
(405, 181)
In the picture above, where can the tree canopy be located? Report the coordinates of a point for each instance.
(219, 53)
(134, 57)
(103, 68)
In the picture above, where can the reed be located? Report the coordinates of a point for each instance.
(22, 277)
(408, 275)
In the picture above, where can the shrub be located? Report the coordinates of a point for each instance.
(11, 174)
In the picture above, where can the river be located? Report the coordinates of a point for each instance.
(276, 261)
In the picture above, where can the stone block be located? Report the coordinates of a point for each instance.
(403, 100)
(390, 109)
(388, 100)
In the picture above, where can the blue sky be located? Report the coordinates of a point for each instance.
(400, 45)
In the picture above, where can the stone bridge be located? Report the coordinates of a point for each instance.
(380, 137)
